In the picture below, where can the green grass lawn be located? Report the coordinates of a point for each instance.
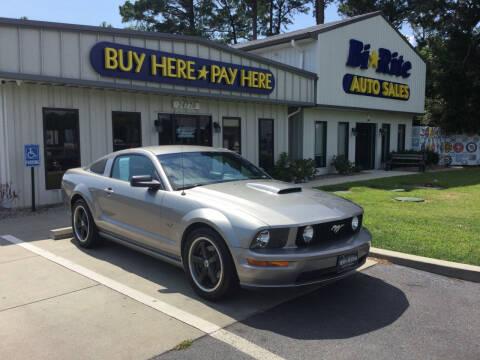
(446, 226)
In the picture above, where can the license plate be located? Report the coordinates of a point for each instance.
(347, 260)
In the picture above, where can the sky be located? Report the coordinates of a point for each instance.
(94, 12)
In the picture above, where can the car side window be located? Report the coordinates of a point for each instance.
(126, 166)
(99, 166)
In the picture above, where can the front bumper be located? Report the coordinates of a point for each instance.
(307, 266)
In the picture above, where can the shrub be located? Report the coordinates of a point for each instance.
(293, 170)
(344, 166)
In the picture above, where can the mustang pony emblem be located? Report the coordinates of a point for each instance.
(336, 228)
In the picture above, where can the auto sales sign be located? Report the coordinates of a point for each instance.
(128, 62)
(384, 61)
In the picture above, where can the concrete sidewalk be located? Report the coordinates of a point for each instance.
(334, 179)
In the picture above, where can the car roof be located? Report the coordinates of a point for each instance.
(170, 149)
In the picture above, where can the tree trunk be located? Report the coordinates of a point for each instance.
(320, 11)
(254, 20)
(270, 20)
(191, 16)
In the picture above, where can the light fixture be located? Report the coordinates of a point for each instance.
(381, 131)
(261, 240)
(216, 127)
(307, 234)
(354, 131)
(355, 223)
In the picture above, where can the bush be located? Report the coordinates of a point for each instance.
(288, 170)
(344, 166)
(432, 158)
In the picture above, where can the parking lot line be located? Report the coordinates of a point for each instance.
(212, 329)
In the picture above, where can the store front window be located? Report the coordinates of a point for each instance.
(265, 143)
(61, 144)
(321, 143)
(184, 129)
(127, 130)
(342, 140)
(385, 141)
(232, 134)
(401, 138)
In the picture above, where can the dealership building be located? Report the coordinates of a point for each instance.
(349, 87)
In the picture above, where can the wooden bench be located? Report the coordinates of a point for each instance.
(407, 160)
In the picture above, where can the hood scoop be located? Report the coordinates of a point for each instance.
(278, 189)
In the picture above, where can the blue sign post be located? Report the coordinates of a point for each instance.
(32, 160)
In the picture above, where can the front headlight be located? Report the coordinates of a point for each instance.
(355, 223)
(261, 240)
(275, 238)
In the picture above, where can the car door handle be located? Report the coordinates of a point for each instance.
(108, 190)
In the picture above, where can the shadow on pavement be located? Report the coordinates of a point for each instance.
(351, 307)
(170, 280)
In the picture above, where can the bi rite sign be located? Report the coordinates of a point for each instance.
(384, 62)
(128, 62)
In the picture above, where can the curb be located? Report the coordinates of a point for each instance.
(62, 233)
(441, 267)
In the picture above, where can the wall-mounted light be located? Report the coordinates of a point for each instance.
(216, 127)
(354, 131)
(158, 125)
(381, 131)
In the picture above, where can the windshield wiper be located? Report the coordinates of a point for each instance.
(191, 186)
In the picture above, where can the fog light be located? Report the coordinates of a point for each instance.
(355, 223)
(308, 234)
(261, 241)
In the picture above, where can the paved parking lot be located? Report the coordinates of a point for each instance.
(61, 301)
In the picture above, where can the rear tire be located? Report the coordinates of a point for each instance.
(84, 228)
(208, 264)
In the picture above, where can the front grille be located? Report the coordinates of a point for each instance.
(324, 232)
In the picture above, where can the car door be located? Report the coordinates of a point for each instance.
(134, 213)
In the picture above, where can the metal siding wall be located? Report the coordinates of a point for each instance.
(65, 54)
(24, 106)
(286, 54)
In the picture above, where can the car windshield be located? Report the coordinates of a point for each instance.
(209, 167)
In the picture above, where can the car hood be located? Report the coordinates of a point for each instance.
(276, 203)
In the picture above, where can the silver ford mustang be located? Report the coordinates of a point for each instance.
(221, 218)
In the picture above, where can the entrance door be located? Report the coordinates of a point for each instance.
(365, 145)
(385, 141)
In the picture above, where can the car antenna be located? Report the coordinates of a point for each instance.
(183, 172)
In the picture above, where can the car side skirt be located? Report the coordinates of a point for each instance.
(171, 259)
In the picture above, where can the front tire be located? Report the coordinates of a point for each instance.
(208, 264)
(83, 226)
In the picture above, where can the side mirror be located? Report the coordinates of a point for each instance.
(145, 181)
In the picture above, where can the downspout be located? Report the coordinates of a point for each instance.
(300, 51)
(294, 113)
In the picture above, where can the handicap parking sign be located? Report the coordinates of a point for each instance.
(32, 155)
